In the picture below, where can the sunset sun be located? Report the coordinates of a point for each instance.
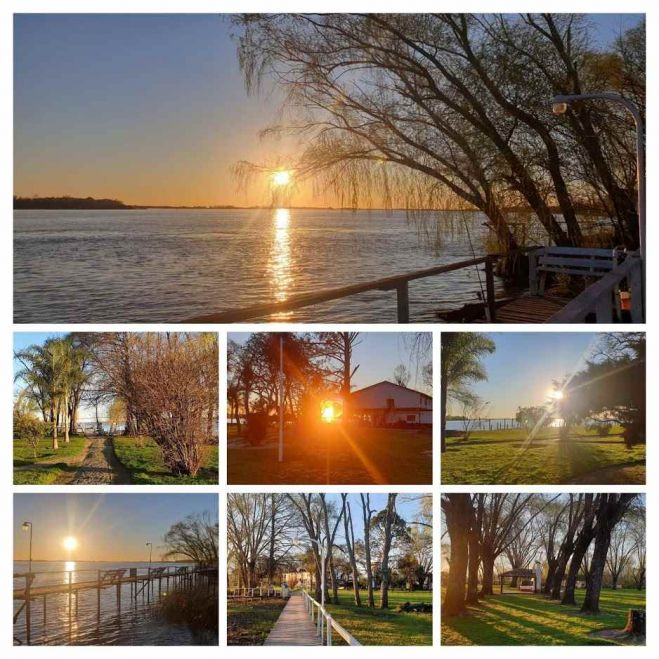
(281, 178)
(70, 543)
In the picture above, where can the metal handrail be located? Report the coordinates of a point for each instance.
(325, 623)
(396, 282)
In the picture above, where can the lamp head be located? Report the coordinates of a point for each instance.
(26, 526)
(559, 108)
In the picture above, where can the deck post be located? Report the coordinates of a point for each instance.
(118, 596)
(604, 309)
(28, 612)
(638, 296)
(533, 272)
(491, 308)
(403, 302)
(45, 628)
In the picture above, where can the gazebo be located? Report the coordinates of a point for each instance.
(526, 575)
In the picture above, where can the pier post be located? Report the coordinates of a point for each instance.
(98, 598)
(489, 289)
(403, 302)
(45, 628)
(70, 611)
(28, 612)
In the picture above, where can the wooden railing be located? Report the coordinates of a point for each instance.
(325, 623)
(399, 283)
(602, 299)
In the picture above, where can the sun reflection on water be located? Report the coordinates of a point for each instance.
(281, 276)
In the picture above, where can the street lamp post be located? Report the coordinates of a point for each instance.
(281, 398)
(25, 526)
(559, 106)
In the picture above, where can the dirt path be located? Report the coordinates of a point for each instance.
(99, 466)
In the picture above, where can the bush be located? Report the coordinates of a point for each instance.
(256, 427)
(27, 427)
(196, 607)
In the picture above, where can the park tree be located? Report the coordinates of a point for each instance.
(401, 375)
(426, 110)
(461, 366)
(367, 516)
(457, 510)
(349, 532)
(195, 539)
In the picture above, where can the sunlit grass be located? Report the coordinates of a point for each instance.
(501, 456)
(24, 455)
(142, 457)
(384, 626)
(362, 455)
(526, 619)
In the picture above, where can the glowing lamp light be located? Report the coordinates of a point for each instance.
(281, 178)
(70, 543)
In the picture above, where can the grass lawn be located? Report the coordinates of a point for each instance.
(49, 464)
(338, 456)
(142, 457)
(502, 457)
(384, 626)
(249, 621)
(527, 619)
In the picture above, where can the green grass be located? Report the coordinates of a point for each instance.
(336, 455)
(49, 465)
(142, 458)
(502, 457)
(23, 454)
(249, 621)
(384, 626)
(526, 619)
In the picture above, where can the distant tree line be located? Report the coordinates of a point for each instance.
(67, 203)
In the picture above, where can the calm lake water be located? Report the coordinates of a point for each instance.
(169, 265)
(135, 623)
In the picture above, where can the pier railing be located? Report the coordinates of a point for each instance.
(603, 299)
(398, 283)
(325, 623)
(139, 579)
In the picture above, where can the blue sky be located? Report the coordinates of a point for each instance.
(377, 354)
(521, 370)
(145, 108)
(107, 526)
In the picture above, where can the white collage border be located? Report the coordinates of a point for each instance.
(7, 8)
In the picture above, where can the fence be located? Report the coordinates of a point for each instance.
(325, 623)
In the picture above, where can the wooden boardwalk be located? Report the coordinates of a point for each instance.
(294, 626)
(529, 309)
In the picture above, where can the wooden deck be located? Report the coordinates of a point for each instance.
(529, 309)
(294, 626)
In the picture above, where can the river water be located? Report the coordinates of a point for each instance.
(169, 265)
(134, 622)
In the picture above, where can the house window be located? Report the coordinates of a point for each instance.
(390, 403)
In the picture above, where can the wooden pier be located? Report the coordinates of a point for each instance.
(144, 584)
(608, 273)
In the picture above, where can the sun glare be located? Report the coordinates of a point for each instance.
(327, 412)
(281, 178)
(556, 394)
(69, 543)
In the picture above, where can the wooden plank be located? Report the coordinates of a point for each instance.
(576, 263)
(578, 251)
(294, 626)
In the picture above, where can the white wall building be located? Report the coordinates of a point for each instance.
(387, 403)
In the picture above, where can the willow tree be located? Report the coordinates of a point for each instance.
(433, 110)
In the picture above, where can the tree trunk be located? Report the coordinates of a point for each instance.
(487, 587)
(366, 512)
(456, 510)
(443, 393)
(384, 568)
